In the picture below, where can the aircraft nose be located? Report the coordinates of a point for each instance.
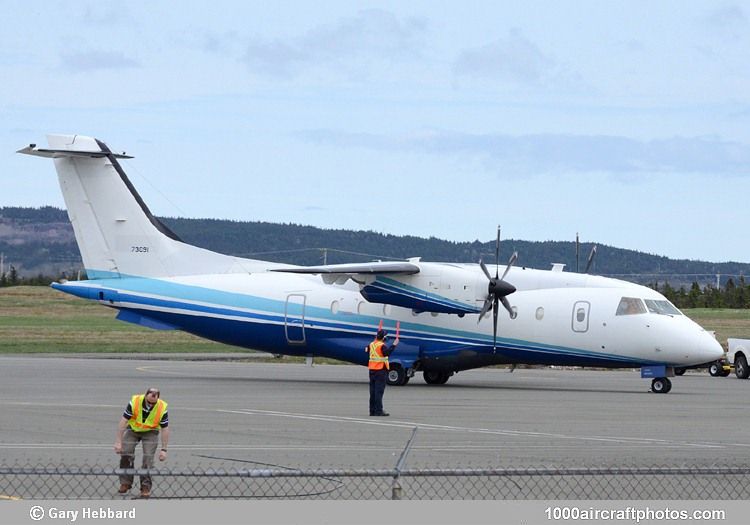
(711, 348)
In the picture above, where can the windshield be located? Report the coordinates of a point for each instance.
(662, 307)
(630, 306)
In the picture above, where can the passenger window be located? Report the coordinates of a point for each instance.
(580, 315)
(630, 306)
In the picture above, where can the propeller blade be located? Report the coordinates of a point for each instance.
(591, 259)
(508, 307)
(485, 308)
(497, 253)
(511, 262)
(494, 325)
(484, 269)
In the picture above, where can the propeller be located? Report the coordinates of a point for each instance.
(497, 290)
(591, 259)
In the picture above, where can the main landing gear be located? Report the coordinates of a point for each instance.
(435, 377)
(398, 376)
(661, 385)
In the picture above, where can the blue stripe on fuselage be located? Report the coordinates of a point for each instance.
(258, 323)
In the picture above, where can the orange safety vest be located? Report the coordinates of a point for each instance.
(154, 417)
(377, 359)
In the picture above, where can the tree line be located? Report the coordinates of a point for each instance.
(41, 240)
(731, 295)
(12, 278)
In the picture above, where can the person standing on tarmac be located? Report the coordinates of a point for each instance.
(378, 367)
(141, 421)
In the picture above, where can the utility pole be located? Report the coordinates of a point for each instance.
(718, 280)
(2, 264)
(325, 256)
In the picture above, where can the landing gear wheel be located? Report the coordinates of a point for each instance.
(715, 369)
(434, 377)
(661, 385)
(741, 369)
(397, 376)
(679, 371)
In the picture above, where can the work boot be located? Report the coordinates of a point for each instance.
(123, 488)
(145, 492)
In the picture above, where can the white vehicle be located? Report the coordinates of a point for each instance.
(137, 266)
(738, 355)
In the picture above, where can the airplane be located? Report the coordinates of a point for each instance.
(139, 267)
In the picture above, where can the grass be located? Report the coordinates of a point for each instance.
(37, 319)
(725, 322)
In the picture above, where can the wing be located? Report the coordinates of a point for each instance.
(402, 283)
(371, 268)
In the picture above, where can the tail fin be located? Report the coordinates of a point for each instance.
(116, 233)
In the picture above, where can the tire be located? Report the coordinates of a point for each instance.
(679, 371)
(715, 369)
(434, 377)
(741, 369)
(397, 376)
(661, 385)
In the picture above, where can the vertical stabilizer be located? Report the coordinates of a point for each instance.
(115, 231)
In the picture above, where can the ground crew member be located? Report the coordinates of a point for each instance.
(378, 367)
(144, 416)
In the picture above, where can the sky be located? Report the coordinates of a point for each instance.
(627, 122)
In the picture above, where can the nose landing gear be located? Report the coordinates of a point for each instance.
(661, 385)
(659, 374)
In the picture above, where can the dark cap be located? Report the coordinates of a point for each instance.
(381, 334)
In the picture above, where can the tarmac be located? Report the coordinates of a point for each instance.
(230, 411)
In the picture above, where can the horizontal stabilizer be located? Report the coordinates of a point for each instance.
(31, 149)
(371, 268)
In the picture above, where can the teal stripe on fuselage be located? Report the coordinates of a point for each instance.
(225, 303)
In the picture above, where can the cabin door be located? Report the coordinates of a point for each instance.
(294, 319)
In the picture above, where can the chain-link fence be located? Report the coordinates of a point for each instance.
(92, 482)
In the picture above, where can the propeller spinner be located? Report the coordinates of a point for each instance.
(497, 290)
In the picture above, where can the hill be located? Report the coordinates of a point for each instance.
(40, 240)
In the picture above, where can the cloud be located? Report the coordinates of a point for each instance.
(84, 61)
(727, 21)
(513, 59)
(369, 36)
(103, 14)
(728, 15)
(560, 153)
(219, 43)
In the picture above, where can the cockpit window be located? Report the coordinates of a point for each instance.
(662, 307)
(630, 306)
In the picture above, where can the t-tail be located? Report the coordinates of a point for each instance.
(116, 232)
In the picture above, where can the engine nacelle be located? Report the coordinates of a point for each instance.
(438, 287)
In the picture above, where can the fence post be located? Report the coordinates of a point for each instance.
(396, 490)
